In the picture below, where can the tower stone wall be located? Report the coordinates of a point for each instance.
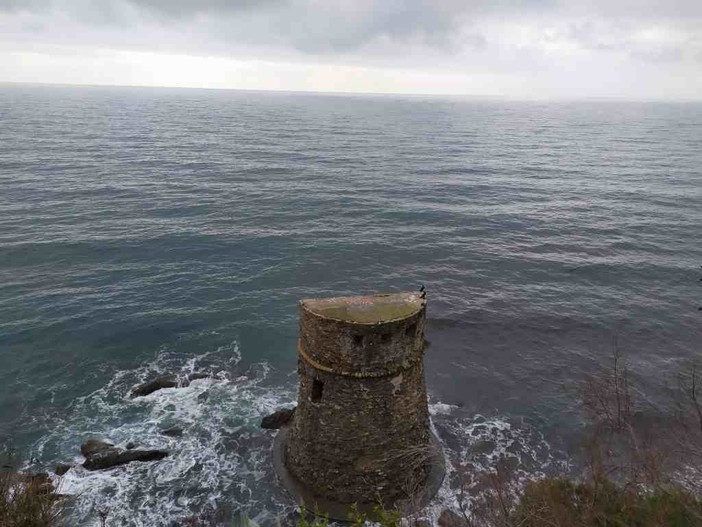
(361, 432)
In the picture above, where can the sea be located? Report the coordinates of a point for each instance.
(150, 231)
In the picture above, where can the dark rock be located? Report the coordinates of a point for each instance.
(203, 397)
(166, 381)
(62, 468)
(101, 454)
(116, 456)
(257, 371)
(448, 518)
(422, 523)
(278, 419)
(172, 432)
(129, 446)
(94, 446)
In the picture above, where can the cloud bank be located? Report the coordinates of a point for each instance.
(620, 48)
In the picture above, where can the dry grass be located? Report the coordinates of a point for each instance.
(488, 500)
(560, 502)
(643, 468)
(635, 443)
(27, 500)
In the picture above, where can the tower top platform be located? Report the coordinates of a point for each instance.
(369, 309)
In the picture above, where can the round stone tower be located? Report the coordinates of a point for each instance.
(360, 433)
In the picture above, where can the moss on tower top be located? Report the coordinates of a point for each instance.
(371, 309)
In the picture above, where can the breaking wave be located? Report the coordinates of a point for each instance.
(475, 445)
(221, 465)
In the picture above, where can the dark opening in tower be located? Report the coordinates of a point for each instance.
(317, 389)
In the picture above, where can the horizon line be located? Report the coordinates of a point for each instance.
(501, 97)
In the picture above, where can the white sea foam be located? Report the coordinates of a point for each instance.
(441, 409)
(475, 445)
(222, 462)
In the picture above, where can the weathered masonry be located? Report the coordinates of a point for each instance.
(361, 432)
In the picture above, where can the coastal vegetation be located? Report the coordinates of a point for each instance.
(600, 503)
(27, 500)
(641, 465)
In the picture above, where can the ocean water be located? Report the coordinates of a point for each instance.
(146, 231)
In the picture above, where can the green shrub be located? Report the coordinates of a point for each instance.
(381, 516)
(315, 520)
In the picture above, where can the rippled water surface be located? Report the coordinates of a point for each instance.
(146, 231)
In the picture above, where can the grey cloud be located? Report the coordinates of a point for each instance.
(363, 30)
(660, 55)
(23, 5)
(179, 8)
(309, 26)
(332, 30)
(326, 27)
(609, 37)
(639, 9)
(168, 8)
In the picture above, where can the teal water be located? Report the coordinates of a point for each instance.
(146, 231)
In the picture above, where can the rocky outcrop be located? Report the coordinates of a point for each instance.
(94, 446)
(278, 419)
(100, 455)
(166, 381)
(116, 457)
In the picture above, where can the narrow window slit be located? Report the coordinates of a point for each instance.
(358, 340)
(317, 388)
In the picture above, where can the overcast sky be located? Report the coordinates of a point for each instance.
(638, 49)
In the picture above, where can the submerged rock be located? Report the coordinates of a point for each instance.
(166, 381)
(172, 432)
(278, 419)
(101, 455)
(62, 468)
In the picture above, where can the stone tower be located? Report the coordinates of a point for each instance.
(360, 434)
